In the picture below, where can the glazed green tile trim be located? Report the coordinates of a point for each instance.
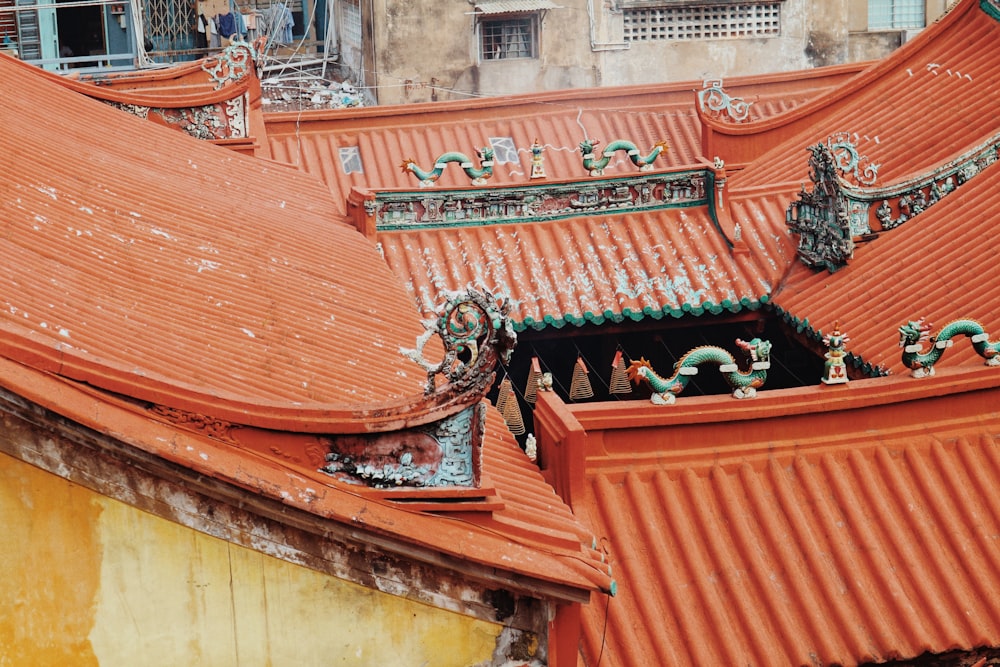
(991, 7)
(648, 312)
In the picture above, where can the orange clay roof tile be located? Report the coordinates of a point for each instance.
(144, 258)
(593, 269)
(384, 136)
(586, 269)
(812, 537)
(838, 559)
(555, 549)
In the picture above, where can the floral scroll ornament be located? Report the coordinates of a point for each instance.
(232, 64)
(715, 100)
(476, 332)
(849, 162)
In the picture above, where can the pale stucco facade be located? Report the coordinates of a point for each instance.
(405, 52)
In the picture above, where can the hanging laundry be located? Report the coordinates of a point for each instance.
(239, 25)
(279, 21)
(227, 25)
(250, 21)
(201, 36)
(214, 41)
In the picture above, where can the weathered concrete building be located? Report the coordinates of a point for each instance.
(417, 52)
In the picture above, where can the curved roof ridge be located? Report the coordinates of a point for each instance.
(231, 89)
(919, 106)
(163, 268)
(875, 71)
(543, 557)
(937, 264)
(923, 176)
(585, 98)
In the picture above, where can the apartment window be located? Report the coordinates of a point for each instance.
(350, 23)
(719, 21)
(895, 14)
(509, 37)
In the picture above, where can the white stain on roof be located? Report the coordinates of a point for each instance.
(48, 190)
(204, 264)
(160, 232)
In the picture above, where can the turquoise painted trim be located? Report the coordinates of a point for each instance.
(803, 327)
(713, 212)
(686, 310)
(990, 8)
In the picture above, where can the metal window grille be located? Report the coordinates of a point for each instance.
(350, 160)
(504, 150)
(895, 14)
(509, 38)
(729, 21)
(350, 24)
(169, 24)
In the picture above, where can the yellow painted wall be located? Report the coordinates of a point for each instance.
(87, 580)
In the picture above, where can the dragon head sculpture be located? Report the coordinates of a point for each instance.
(587, 146)
(637, 370)
(759, 350)
(914, 332)
(485, 154)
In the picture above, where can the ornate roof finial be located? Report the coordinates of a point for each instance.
(835, 370)
(848, 161)
(537, 160)
(820, 216)
(233, 63)
(714, 100)
(476, 332)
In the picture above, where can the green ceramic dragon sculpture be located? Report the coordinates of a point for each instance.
(744, 384)
(596, 166)
(921, 364)
(478, 176)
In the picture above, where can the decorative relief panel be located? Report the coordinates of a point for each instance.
(443, 454)
(836, 213)
(210, 426)
(135, 109)
(913, 198)
(224, 120)
(540, 202)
